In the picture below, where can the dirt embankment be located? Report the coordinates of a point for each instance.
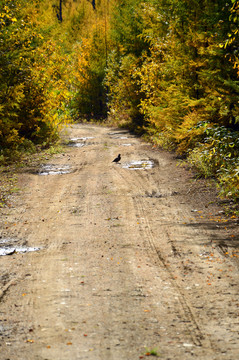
(118, 261)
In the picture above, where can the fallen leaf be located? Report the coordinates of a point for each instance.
(69, 343)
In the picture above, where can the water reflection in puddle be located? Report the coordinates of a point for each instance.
(7, 241)
(18, 249)
(77, 141)
(83, 138)
(86, 138)
(139, 165)
(52, 169)
(123, 135)
(75, 144)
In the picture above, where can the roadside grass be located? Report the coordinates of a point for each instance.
(7, 186)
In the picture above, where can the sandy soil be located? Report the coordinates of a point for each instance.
(129, 260)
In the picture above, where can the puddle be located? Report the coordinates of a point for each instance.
(7, 241)
(158, 194)
(82, 138)
(153, 194)
(139, 165)
(52, 169)
(77, 141)
(17, 249)
(126, 144)
(119, 135)
(75, 144)
(9, 246)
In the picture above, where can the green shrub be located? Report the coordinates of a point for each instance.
(218, 156)
(229, 182)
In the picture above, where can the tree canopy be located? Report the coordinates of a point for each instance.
(168, 69)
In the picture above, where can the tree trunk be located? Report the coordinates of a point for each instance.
(59, 14)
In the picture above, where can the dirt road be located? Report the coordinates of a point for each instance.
(132, 260)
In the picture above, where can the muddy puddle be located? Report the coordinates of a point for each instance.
(123, 135)
(51, 169)
(79, 141)
(139, 165)
(8, 247)
(75, 144)
(84, 138)
(15, 250)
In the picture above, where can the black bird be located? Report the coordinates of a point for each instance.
(116, 160)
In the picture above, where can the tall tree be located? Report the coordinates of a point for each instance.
(59, 13)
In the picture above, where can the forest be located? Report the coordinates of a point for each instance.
(166, 69)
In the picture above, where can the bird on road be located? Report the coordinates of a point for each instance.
(116, 160)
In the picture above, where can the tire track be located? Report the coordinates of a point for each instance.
(197, 336)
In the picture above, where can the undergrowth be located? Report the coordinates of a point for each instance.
(218, 156)
(213, 151)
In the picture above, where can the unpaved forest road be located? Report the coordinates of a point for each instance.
(129, 259)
